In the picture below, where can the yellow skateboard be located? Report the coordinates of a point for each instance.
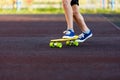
(58, 42)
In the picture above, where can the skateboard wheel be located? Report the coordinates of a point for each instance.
(75, 43)
(67, 43)
(59, 45)
(51, 44)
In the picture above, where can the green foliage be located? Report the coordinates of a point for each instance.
(57, 11)
(32, 11)
(99, 11)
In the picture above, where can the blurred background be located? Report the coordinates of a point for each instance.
(55, 6)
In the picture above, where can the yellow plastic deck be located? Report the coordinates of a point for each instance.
(64, 39)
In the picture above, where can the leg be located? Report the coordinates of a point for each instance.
(68, 13)
(79, 19)
(69, 33)
(81, 23)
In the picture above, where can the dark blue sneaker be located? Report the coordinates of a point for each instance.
(68, 34)
(82, 37)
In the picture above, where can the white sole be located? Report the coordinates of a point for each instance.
(84, 39)
(68, 37)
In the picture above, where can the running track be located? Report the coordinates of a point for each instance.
(25, 53)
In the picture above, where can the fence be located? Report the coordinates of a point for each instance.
(89, 4)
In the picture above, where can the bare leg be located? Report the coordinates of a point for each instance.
(79, 19)
(68, 13)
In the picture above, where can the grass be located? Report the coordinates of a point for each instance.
(99, 11)
(32, 11)
(57, 11)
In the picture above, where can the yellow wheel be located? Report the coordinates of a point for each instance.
(51, 44)
(59, 45)
(67, 43)
(75, 43)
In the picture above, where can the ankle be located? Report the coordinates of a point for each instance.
(71, 29)
(87, 31)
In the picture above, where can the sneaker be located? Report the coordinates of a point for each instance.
(68, 34)
(82, 37)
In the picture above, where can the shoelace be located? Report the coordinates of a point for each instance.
(66, 32)
(81, 35)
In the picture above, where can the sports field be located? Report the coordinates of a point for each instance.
(25, 53)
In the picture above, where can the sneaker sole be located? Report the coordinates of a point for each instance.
(84, 39)
(68, 37)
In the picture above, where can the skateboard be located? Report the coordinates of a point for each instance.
(58, 43)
